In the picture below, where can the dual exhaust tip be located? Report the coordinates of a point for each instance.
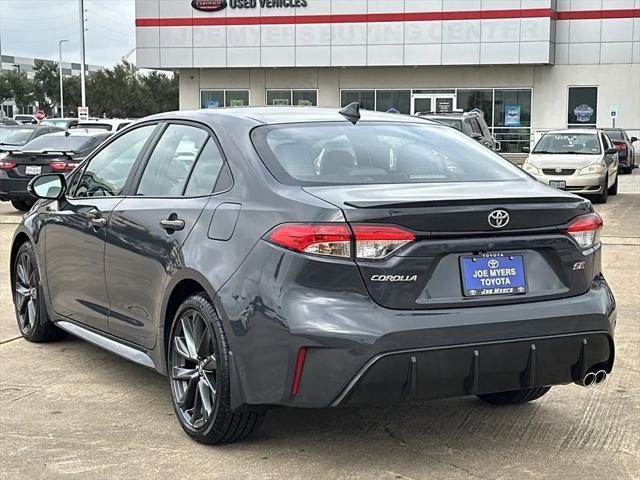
(592, 379)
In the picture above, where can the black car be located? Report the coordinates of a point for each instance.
(15, 136)
(472, 124)
(54, 152)
(625, 147)
(315, 258)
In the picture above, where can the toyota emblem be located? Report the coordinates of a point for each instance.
(499, 218)
(558, 170)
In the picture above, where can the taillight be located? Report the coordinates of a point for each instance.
(60, 166)
(375, 242)
(586, 229)
(372, 242)
(7, 165)
(319, 239)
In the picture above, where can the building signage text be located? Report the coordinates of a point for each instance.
(217, 5)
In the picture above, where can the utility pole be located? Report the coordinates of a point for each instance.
(61, 89)
(82, 59)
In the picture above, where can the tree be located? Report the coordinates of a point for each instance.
(20, 88)
(72, 95)
(5, 90)
(46, 85)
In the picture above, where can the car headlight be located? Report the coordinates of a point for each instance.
(532, 169)
(591, 169)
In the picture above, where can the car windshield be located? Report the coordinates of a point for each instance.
(376, 153)
(14, 136)
(615, 135)
(452, 122)
(54, 123)
(59, 143)
(96, 126)
(568, 143)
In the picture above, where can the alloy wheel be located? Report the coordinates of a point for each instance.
(26, 293)
(193, 369)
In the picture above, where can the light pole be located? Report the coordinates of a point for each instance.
(82, 58)
(61, 90)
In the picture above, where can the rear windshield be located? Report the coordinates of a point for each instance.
(452, 122)
(376, 153)
(54, 123)
(615, 134)
(568, 143)
(14, 136)
(60, 143)
(96, 126)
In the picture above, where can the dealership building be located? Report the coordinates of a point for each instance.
(529, 65)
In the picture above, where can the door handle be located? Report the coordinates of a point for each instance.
(173, 225)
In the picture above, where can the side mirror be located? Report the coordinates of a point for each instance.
(611, 151)
(634, 139)
(526, 149)
(50, 186)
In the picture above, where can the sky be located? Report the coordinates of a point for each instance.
(32, 28)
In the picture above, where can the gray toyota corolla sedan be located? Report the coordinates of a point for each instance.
(315, 258)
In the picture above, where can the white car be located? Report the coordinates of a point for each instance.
(582, 161)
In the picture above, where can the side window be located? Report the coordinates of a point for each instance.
(605, 141)
(484, 127)
(107, 172)
(475, 128)
(167, 170)
(205, 173)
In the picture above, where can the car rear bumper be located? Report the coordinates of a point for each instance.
(481, 368)
(354, 346)
(580, 184)
(14, 188)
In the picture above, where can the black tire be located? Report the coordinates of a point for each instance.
(21, 205)
(514, 397)
(28, 299)
(613, 190)
(203, 373)
(602, 197)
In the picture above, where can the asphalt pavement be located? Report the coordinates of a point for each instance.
(71, 410)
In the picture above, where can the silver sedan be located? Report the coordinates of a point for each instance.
(582, 161)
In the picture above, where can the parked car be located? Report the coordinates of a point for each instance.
(413, 264)
(55, 152)
(108, 124)
(625, 147)
(472, 124)
(8, 121)
(26, 119)
(582, 161)
(12, 137)
(65, 123)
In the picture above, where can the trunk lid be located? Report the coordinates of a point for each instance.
(451, 223)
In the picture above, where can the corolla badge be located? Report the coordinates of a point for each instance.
(394, 278)
(499, 218)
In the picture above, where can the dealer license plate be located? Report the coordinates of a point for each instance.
(561, 184)
(33, 170)
(494, 274)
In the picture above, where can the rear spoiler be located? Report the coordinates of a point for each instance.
(66, 153)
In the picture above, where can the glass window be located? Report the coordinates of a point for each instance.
(568, 143)
(237, 98)
(212, 98)
(399, 100)
(305, 98)
(480, 99)
(15, 136)
(167, 170)
(366, 98)
(377, 153)
(278, 97)
(60, 143)
(475, 126)
(583, 106)
(512, 108)
(107, 172)
(205, 173)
